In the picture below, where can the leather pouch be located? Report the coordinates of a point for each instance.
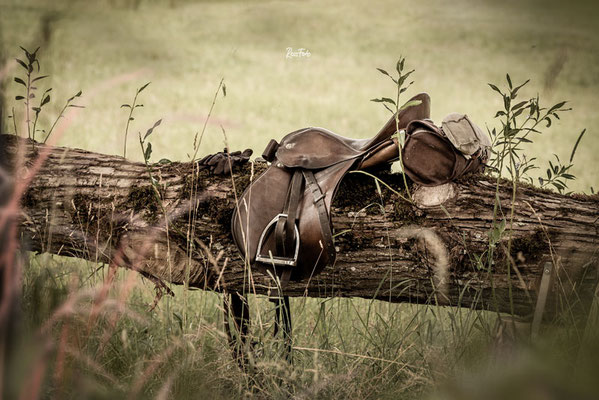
(430, 158)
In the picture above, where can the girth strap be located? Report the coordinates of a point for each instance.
(323, 214)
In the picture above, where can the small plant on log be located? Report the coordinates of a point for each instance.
(130, 117)
(393, 105)
(520, 119)
(30, 63)
(31, 66)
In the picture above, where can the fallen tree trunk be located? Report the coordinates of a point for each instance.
(105, 209)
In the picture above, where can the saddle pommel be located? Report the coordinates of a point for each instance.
(270, 150)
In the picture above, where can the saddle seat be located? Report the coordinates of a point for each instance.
(282, 221)
(315, 148)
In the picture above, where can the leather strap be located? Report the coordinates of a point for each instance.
(323, 215)
(285, 227)
(384, 153)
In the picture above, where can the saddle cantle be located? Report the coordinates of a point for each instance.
(282, 220)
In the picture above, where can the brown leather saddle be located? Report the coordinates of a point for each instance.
(282, 221)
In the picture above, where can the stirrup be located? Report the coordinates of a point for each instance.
(277, 260)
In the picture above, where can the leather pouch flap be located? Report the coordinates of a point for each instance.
(466, 136)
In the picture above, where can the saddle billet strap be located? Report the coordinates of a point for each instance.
(285, 227)
(323, 215)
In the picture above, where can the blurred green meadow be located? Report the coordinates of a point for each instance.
(184, 48)
(354, 348)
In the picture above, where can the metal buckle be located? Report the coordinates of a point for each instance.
(276, 260)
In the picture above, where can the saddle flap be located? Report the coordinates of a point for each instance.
(260, 205)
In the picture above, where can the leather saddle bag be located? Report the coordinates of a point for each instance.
(435, 155)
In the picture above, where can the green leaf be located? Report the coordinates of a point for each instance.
(410, 103)
(22, 64)
(509, 80)
(143, 87)
(518, 88)
(382, 71)
(378, 188)
(125, 106)
(557, 106)
(79, 94)
(21, 81)
(403, 78)
(495, 88)
(519, 105)
(26, 52)
(384, 100)
(512, 132)
(518, 112)
(149, 131)
(224, 90)
(45, 101)
(576, 145)
(39, 78)
(148, 152)
(497, 232)
(19, 97)
(506, 102)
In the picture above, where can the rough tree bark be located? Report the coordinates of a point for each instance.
(103, 208)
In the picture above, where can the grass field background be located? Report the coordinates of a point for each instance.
(184, 48)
